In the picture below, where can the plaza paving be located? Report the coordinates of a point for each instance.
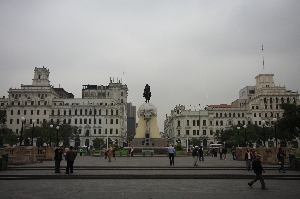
(145, 177)
(139, 167)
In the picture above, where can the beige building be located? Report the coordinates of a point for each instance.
(255, 103)
(100, 113)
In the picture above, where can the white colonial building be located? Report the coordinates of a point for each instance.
(255, 104)
(100, 113)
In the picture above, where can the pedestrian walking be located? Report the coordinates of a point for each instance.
(105, 152)
(58, 159)
(258, 170)
(221, 152)
(233, 152)
(248, 159)
(114, 153)
(201, 157)
(171, 151)
(280, 156)
(131, 152)
(109, 153)
(224, 151)
(80, 151)
(70, 158)
(195, 155)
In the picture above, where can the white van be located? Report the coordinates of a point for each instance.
(214, 146)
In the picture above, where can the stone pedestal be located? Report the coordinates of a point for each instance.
(147, 132)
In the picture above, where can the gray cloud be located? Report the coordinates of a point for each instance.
(189, 52)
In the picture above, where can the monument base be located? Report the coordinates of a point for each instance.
(149, 142)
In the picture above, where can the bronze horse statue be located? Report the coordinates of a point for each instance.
(147, 93)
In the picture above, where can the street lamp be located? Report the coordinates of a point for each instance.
(245, 134)
(275, 121)
(51, 126)
(57, 136)
(33, 121)
(21, 137)
(263, 123)
(238, 128)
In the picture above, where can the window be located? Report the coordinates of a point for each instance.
(117, 121)
(75, 121)
(38, 112)
(194, 123)
(211, 123)
(217, 123)
(117, 112)
(69, 122)
(80, 111)
(178, 133)
(32, 102)
(58, 112)
(194, 132)
(211, 132)
(75, 111)
(85, 121)
(220, 114)
(106, 112)
(259, 115)
(37, 121)
(111, 121)
(99, 131)
(117, 131)
(80, 121)
(95, 131)
(254, 114)
(252, 107)
(105, 131)
(266, 115)
(229, 114)
(25, 112)
(45, 103)
(12, 112)
(64, 121)
(91, 112)
(39, 103)
(204, 122)
(198, 122)
(197, 132)
(45, 112)
(11, 121)
(110, 131)
(99, 121)
(65, 112)
(188, 122)
(187, 132)
(230, 123)
(70, 113)
(90, 121)
(85, 111)
(121, 93)
(111, 112)
(79, 130)
(221, 123)
(18, 121)
(31, 112)
(178, 123)
(204, 132)
(217, 114)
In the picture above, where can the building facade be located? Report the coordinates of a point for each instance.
(100, 113)
(255, 104)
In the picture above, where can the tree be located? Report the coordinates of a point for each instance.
(7, 136)
(289, 124)
(98, 142)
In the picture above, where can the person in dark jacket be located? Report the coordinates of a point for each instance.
(70, 158)
(58, 159)
(201, 154)
(258, 170)
(280, 156)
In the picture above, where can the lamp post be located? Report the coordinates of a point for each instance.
(33, 121)
(263, 123)
(275, 121)
(51, 126)
(245, 135)
(21, 137)
(238, 128)
(57, 136)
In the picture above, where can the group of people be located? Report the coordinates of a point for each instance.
(197, 154)
(109, 153)
(221, 150)
(69, 155)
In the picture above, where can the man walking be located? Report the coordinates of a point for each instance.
(258, 170)
(70, 157)
(171, 151)
(221, 152)
(195, 155)
(58, 159)
(233, 152)
(201, 154)
(280, 156)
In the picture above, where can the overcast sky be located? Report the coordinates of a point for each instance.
(189, 52)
